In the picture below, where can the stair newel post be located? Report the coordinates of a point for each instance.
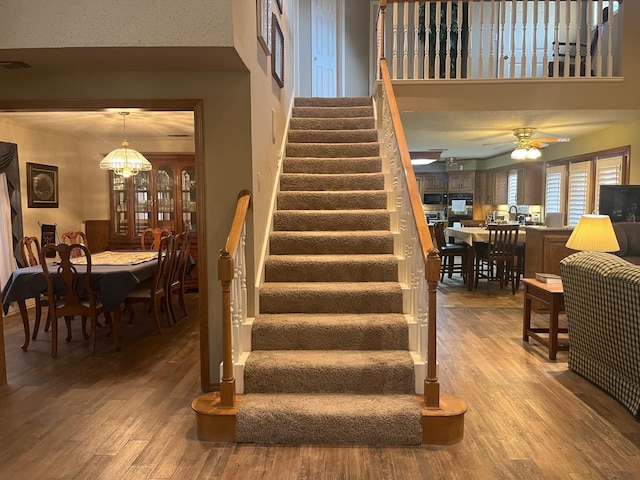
(228, 382)
(431, 385)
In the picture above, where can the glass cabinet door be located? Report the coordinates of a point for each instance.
(188, 198)
(120, 212)
(165, 216)
(142, 201)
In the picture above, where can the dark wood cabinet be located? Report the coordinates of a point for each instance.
(164, 197)
(530, 184)
(544, 248)
(462, 182)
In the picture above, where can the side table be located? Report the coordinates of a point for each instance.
(551, 295)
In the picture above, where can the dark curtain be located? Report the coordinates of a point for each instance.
(9, 165)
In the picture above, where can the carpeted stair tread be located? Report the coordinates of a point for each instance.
(332, 101)
(328, 419)
(332, 112)
(332, 200)
(333, 136)
(331, 220)
(361, 149)
(331, 297)
(329, 371)
(321, 243)
(299, 331)
(331, 268)
(321, 182)
(337, 165)
(353, 123)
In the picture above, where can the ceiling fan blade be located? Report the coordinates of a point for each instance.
(498, 143)
(552, 140)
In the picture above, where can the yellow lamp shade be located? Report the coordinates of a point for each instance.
(594, 233)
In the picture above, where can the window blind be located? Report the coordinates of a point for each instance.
(512, 187)
(553, 189)
(608, 172)
(578, 184)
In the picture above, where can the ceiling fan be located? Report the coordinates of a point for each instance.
(525, 138)
(431, 156)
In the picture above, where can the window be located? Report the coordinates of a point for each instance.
(578, 184)
(512, 188)
(554, 191)
(608, 172)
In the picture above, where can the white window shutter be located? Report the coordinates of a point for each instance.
(553, 194)
(578, 200)
(608, 172)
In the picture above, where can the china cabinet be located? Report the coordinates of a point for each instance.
(164, 197)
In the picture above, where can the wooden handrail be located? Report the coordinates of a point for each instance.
(226, 273)
(430, 255)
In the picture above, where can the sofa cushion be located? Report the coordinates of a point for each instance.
(633, 239)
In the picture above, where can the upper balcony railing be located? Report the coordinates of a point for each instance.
(500, 39)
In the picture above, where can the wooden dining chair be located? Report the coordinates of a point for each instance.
(150, 238)
(448, 254)
(75, 298)
(75, 237)
(175, 284)
(472, 223)
(31, 258)
(154, 293)
(499, 253)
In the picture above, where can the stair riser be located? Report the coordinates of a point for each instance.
(275, 271)
(332, 165)
(398, 379)
(331, 112)
(330, 302)
(332, 200)
(332, 337)
(330, 221)
(333, 150)
(302, 245)
(332, 136)
(355, 123)
(332, 102)
(367, 181)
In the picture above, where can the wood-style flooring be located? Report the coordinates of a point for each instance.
(127, 414)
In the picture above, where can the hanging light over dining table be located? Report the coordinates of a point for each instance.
(125, 161)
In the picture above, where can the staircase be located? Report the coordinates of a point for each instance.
(330, 360)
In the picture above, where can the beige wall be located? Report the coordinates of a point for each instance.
(70, 157)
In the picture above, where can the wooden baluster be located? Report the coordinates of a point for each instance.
(427, 45)
(567, 39)
(459, 42)
(579, 22)
(503, 14)
(405, 41)
(480, 41)
(416, 40)
(556, 48)
(611, 24)
(545, 57)
(534, 56)
(523, 60)
(437, 46)
(431, 385)
(492, 71)
(447, 57)
(394, 54)
(470, 43)
(598, 69)
(512, 55)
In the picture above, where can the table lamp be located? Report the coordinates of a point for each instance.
(593, 233)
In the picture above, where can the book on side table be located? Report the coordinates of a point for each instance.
(548, 278)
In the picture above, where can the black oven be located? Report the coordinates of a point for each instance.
(435, 199)
(460, 207)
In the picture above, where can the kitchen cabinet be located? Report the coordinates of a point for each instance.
(462, 182)
(433, 182)
(501, 189)
(164, 197)
(530, 184)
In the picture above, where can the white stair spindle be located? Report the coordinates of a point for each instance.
(405, 40)
(523, 61)
(416, 40)
(394, 60)
(492, 71)
(534, 55)
(567, 39)
(459, 42)
(470, 42)
(437, 46)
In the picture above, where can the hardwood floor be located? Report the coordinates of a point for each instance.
(127, 415)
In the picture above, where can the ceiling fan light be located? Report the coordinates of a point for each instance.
(519, 153)
(533, 153)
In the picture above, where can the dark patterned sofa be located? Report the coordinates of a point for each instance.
(628, 234)
(602, 300)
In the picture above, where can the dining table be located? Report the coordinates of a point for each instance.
(114, 275)
(472, 236)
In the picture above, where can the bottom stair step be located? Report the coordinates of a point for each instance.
(328, 419)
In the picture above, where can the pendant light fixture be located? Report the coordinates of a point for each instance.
(125, 161)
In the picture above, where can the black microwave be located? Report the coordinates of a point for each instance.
(435, 199)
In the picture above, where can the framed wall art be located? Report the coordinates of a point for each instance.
(42, 186)
(264, 24)
(277, 55)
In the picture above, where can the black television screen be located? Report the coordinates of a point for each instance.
(620, 202)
